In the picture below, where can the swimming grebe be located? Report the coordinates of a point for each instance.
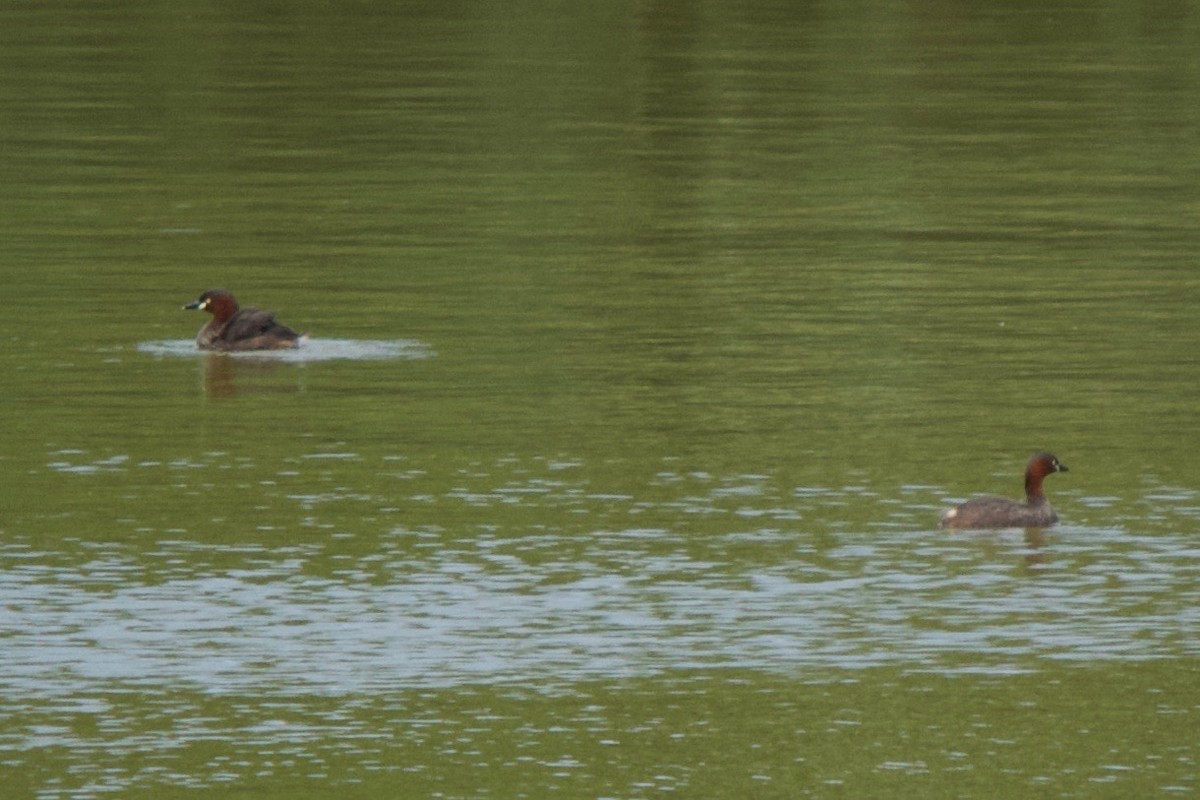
(233, 328)
(1000, 512)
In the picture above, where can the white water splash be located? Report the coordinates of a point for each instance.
(310, 350)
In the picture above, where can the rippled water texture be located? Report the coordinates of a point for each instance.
(647, 343)
(556, 602)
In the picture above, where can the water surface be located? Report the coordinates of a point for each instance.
(647, 344)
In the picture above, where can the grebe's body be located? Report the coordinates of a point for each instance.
(1000, 512)
(235, 328)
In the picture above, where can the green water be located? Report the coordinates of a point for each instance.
(702, 315)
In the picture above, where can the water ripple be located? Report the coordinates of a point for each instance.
(489, 614)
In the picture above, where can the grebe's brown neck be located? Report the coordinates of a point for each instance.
(1033, 485)
(221, 305)
(1038, 468)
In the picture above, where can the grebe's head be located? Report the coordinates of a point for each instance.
(1042, 464)
(217, 302)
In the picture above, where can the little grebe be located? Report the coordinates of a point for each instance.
(233, 328)
(1000, 512)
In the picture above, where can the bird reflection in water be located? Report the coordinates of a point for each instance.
(228, 376)
(1035, 543)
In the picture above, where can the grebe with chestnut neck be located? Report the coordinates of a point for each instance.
(1000, 512)
(235, 328)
